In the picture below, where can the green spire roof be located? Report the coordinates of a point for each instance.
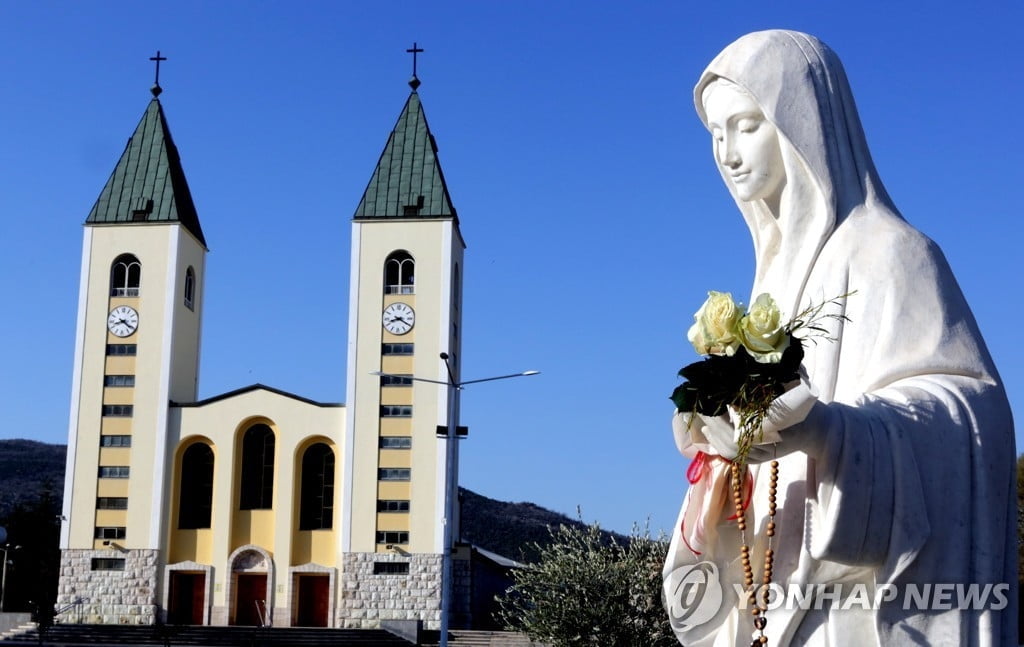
(408, 182)
(148, 183)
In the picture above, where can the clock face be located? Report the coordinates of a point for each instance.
(398, 318)
(123, 321)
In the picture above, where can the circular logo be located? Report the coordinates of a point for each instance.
(693, 595)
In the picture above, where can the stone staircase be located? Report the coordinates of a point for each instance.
(131, 635)
(123, 635)
(75, 635)
(474, 638)
(18, 630)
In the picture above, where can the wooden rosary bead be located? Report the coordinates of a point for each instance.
(758, 607)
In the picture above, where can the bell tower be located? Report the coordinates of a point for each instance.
(136, 349)
(404, 311)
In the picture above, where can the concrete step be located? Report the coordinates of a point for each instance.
(96, 635)
(477, 638)
(23, 628)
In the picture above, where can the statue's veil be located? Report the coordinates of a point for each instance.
(802, 89)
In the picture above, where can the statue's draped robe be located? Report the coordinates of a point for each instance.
(915, 483)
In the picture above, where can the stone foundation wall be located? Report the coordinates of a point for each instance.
(366, 599)
(108, 596)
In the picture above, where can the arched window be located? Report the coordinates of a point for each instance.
(256, 489)
(125, 274)
(316, 504)
(399, 269)
(195, 500)
(190, 287)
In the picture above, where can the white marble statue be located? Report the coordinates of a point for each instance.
(900, 474)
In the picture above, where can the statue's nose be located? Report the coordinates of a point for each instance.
(727, 153)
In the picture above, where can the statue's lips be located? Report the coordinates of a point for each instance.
(738, 177)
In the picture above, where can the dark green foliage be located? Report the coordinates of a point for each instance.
(31, 484)
(585, 591)
(1020, 538)
(33, 568)
(719, 380)
(1020, 527)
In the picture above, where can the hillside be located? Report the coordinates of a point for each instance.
(28, 468)
(511, 529)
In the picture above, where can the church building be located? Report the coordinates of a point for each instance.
(257, 506)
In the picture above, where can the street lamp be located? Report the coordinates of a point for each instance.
(3, 578)
(451, 477)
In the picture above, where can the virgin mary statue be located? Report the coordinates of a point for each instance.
(895, 520)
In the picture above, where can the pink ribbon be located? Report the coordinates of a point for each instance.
(707, 475)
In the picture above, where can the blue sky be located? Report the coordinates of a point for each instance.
(594, 216)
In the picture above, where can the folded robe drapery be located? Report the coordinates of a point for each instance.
(913, 482)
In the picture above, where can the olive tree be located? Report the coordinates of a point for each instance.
(589, 588)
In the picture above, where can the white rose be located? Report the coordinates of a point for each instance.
(761, 331)
(716, 325)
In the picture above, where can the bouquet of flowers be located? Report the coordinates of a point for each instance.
(750, 357)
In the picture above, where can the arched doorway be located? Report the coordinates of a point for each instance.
(251, 577)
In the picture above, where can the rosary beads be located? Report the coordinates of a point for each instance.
(757, 606)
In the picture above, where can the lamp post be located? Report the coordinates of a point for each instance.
(451, 478)
(3, 578)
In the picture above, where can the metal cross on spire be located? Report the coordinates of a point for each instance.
(156, 89)
(414, 82)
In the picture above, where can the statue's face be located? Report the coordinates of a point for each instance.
(746, 144)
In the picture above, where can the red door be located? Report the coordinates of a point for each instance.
(250, 599)
(186, 598)
(313, 601)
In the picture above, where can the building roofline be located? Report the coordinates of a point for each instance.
(254, 387)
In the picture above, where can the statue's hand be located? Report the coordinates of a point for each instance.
(795, 418)
(789, 426)
(720, 434)
(694, 433)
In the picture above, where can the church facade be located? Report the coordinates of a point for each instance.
(257, 506)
